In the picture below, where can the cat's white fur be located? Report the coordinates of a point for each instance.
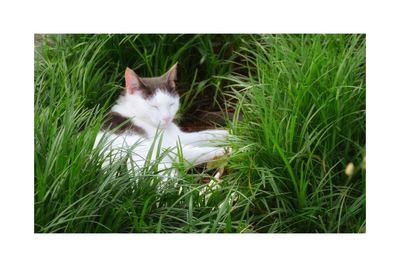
(155, 115)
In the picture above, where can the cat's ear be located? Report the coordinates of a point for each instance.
(132, 81)
(172, 75)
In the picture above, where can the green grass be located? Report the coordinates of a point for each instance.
(299, 103)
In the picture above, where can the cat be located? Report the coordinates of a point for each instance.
(142, 120)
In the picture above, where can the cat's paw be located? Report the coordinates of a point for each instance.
(220, 135)
(219, 159)
(221, 152)
(223, 132)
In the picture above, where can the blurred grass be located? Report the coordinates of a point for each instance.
(301, 104)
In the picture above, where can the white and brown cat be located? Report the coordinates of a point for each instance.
(145, 112)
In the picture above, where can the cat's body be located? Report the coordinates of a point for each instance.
(141, 123)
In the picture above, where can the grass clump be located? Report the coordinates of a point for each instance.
(303, 107)
(299, 121)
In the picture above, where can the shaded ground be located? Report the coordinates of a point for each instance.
(203, 119)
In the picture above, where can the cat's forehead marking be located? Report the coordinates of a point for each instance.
(153, 85)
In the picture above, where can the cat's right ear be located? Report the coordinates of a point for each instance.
(132, 81)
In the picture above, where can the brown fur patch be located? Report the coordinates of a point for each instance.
(120, 124)
(150, 85)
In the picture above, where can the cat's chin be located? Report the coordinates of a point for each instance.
(165, 126)
(160, 126)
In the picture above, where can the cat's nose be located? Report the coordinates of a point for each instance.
(166, 119)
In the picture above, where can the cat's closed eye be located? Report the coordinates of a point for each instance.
(153, 106)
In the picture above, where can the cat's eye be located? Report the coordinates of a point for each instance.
(171, 104)
(154, 106)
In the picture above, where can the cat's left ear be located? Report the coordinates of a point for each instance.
(132, 81)
(171, 75)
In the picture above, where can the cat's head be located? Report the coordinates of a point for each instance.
(155, 100)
